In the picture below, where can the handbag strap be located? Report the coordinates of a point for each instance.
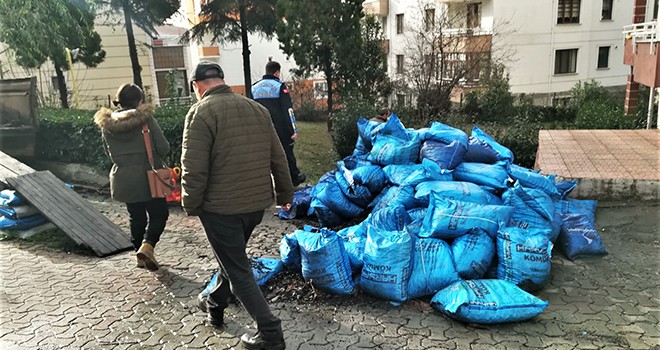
(147, 142)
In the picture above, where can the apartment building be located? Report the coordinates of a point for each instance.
(230, 57)
(94, 86)
(546, 45)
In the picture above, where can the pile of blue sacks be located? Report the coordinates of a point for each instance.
(16, 215)
(446, 216)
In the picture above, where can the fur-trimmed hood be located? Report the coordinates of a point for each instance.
(123, 120)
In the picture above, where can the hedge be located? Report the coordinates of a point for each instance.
(70, 135)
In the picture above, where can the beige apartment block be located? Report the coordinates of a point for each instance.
(96, 86)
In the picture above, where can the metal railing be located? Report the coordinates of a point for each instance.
(647, 32)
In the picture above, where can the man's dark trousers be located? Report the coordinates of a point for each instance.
(228, 235)
(287, 145)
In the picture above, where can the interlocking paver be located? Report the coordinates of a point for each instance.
(50, 299)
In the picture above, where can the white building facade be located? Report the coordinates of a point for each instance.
(547, 46)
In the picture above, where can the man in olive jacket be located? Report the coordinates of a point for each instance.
(230, 150)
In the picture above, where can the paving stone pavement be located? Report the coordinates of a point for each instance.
(51, 299)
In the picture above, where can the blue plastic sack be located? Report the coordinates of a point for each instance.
(457, 190)
(473, 254)
(395, 195)
(391, 218)
(325, 262)
(565, 188)
(18, 212)
(326, 217)
(448, 219)
(290, 251)
(487, 302)
(532, 179)
(299, 206)
(354, 162)
(578, 206)
(360, 149)
(264, 269)
(414, 174)
(417, 213)
(415, 227)
(393, 150)
(578, 237)
(387, 264)
(555, 225)
(7, 223)
(493, 176)
(209, 286)
(354, 238)
(446, 134)
(479, 151)
(533, 208)
(447, 156)
(433, 267)
(354, 191)
(331, 194)
(10, 198)
(524, 257)
(368, 130)
(371, 176)
(487, 143)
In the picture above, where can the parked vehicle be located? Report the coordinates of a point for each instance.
(18, 116)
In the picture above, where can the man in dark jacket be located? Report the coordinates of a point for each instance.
(229, 151)
(274, 95)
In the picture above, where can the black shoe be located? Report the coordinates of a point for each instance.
(300, 179)
(215, 321)
(260, 342)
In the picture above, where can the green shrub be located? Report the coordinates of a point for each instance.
(344, 125)
(598, 108)
(70, 136)
(520, 135)
(495, 103)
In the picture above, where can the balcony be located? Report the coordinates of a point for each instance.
(385, 44)
(468, 39)
(641, 47)
(376, 7)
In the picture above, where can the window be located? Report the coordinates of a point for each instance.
(568, 11)
(474, 15)
(399, 23)
(560, 101)
(429, 19)
(401, 99)
(603, 57)
(606, 13)
(566, 61)
(320, 90)
(454, 65)
(178, 78)
(399, 64)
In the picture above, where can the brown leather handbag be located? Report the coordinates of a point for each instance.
(161, 184)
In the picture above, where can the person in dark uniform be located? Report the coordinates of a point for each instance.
(382, 117)
(273, 94)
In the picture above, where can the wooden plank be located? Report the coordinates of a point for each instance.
(71, 213)
(45, 197)
(100, 222)
(72, 225)
(10, 167)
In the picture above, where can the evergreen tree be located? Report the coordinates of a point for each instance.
(54, 26)
(232, 21)
(318, 34)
